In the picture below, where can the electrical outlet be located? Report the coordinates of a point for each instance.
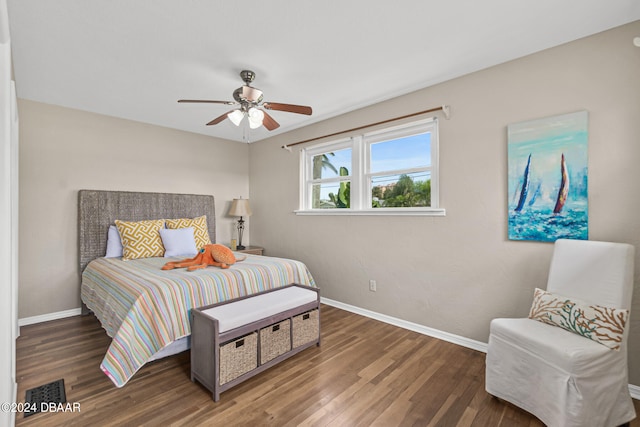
(372, 285)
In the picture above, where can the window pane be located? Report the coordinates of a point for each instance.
(401, 191)
(332, 164)
(331, 195)
(403, 153)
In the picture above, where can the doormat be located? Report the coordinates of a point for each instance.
(48, 393)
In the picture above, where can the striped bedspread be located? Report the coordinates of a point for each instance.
(144, 308)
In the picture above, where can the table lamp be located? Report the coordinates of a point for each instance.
(240, 207)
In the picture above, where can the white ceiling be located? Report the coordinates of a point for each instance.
(135, 58)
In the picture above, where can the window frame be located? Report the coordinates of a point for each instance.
(361, 176)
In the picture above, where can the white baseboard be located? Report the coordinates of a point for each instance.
(51, 316)
(444, 336)
(634, 390)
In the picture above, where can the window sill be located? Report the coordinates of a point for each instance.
(375, 212)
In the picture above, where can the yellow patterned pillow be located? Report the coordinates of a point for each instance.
(140, 239)
(200, 228)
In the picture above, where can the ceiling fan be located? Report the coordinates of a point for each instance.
(249, 100)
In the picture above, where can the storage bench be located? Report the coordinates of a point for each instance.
(233, 340)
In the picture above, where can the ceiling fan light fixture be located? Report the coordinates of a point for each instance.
(251, 94)
(255, 117)
(236, 117)
(248, 98)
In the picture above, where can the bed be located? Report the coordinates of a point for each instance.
(144, 309)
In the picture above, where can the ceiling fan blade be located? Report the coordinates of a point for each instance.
(219, 119)
(299, 109)
(269, 122)
(207, 101)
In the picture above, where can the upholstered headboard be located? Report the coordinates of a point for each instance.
(98, 209)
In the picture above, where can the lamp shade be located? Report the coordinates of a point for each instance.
(236, 117)
(255, 117)
(240, 207)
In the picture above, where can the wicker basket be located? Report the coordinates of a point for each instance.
(275, 340)
(238, 357)
(306, 328)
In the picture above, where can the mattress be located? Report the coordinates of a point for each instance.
(144, 309)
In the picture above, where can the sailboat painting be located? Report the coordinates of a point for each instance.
(548, 183)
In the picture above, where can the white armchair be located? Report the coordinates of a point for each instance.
(563, 378)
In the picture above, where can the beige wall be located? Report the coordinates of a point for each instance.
(458, 272)
(64, 150)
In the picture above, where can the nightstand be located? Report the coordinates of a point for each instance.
(253, 250)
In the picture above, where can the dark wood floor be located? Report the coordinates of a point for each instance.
(366, 373)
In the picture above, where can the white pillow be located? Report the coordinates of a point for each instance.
(601, 324)
(178, 242)
(114, 243)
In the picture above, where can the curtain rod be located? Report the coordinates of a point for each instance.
(444, 109)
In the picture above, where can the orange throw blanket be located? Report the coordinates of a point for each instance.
(215, 255)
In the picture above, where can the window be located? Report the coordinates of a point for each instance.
(392, 171)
